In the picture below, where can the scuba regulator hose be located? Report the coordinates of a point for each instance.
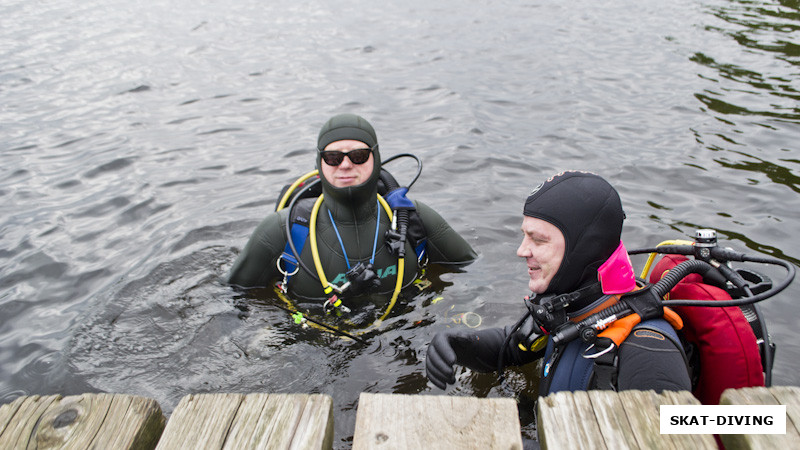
(722, 254)
(407, 155)
(293, 186)
(399, 222)
(587, 328)
(662, 288)
(326, 286)
(714, 253)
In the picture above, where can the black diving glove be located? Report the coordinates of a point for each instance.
(477, 350)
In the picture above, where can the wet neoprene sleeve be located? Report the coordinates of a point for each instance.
(445, 246)
(648, 360)
(255, 265)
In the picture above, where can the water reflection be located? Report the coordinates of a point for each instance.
(777, 174)
(143, 152)
(766, 30)
(762, 22)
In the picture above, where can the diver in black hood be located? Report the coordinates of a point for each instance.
(351, 227)
(571, 226)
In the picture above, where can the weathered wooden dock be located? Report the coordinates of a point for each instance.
(80, 422)
(630, 420)
(580, 420)
(390, 421)
(611, 420)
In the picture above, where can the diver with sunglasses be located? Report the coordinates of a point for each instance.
(350, 228)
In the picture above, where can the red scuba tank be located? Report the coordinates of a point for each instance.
(729, 352)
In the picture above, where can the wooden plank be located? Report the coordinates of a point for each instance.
(789, 396)
(20, 425)
(318, 410)
(263, 421)
(277, 421)
(606, 419)
(73, 419)
(132, 422)
(259, 416)
(83, 421)
(642, 410)
(612, 420)
(756, 396)
(7, 413)
(200, 421)
(575, 409)
(689, 441)
(395, 421)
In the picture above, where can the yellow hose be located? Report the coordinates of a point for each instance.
(326, 286)
(288, 194)
(401, 263)
(652, 256)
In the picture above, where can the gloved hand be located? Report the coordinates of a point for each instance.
(478, 350)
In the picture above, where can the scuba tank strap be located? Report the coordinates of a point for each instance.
(606, 368)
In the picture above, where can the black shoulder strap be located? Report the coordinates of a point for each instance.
(606, 367)
(301, 213)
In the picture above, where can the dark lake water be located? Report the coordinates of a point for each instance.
(141, 143)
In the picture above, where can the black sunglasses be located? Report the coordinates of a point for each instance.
(335, 157)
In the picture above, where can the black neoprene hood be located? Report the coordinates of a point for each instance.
(588, 211)
(345, 127)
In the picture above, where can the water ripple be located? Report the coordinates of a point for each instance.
(144, 142)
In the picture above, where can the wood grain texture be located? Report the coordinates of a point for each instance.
(253, 421)
(763, 396)
(612, 420)
(393, 421)
(78, 422)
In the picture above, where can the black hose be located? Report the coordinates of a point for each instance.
(679, 272)
(323, 324)
(750, 299)
(402, 214)
(765, 337)
(501, 359)
(407, 155)
(671, 249)
(724, 254)
(573, 330)
(768, 356)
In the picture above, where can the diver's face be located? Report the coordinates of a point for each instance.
(543, 249)
(347, 173)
